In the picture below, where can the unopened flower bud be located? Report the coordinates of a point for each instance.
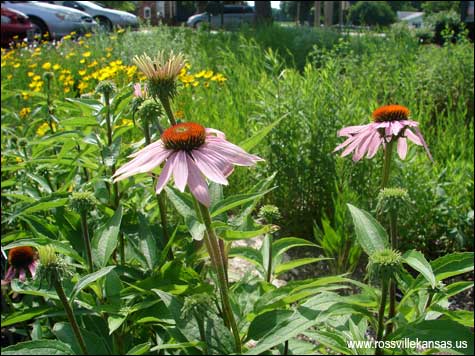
(82, 202)
(391, 200)
(269, 213)
(106, 88)
(384, 264)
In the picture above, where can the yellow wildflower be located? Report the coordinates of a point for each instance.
(56, 66)
(86, 54)
(82, 72)
(24, 112)
(88, 35)
(30, 74)
(46, 66)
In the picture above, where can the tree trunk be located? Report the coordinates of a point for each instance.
(263, 12)
(328, 12)
(201, 6)
(318, 13)
(299, 10)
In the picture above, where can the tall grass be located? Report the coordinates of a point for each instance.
(318, 82)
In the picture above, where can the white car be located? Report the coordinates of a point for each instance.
(106, 18)
(53, 21)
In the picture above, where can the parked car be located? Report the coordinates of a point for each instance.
(16, 26)
(53, 21)
(233, 16)
(106, 18)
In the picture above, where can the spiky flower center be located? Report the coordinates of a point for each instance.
(186, 136)
(21, 257)
(390, 113)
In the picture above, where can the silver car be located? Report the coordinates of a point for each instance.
(233, 16)
(53, 21)
(107, 18)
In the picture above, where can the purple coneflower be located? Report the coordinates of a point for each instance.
(21, 259)
(389, 122)
(190, 151)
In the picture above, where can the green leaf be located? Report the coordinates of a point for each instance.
(140, 349)
(265, 322)
(248, 253)
(234, 201)
(88, 279)
(287, 266)
(438, 331)
(249, 143)
(286, 243)
(105, 240)
(416, 260)
(24, 315)
(452, 265)
(147, 243)
(39, 347)
(79, 121)
(94, 343)
(304, 317)
(370, 234)
(233, 235)
(115, 322)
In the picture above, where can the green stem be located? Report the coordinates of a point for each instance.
(214, 249)
(269, 262)
(87, 242)
(392, 283)
(388, 152)
(382, 307)
(69, 312)
(166, 105)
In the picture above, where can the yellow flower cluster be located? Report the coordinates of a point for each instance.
(44, 128)
(203, 77)
(24, 112)
(115, 70)
(36, 83)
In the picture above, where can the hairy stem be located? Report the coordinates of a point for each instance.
(87, 242)
(388, 153)
(382, 307)
(69, 312)
(167, 106)
(215, 250)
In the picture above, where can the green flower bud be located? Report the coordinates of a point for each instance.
(82, 202)
(269, 213)
(391, 200)
(22, 142)
(48, 257)
(106, 88)
(162, 89)
(51, 266)
(384, 264)
(150, 110)
(47, 76)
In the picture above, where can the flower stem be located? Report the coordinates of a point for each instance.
(166, 105)
(382, 307)
(69, 312)
(392, 283)
(388, 152)
(87, 242)
(269, 262)
(217, 258)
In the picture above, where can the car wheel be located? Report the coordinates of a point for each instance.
(104, 23)
(40, 30)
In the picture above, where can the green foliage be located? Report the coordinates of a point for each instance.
(371, 13)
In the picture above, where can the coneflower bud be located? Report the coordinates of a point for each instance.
(270, 213)
(150, 110)
(82, 202)
(384, 264)
(22, 142)
(51, 266)
(47, 76)
(106, 88)
(391, 200)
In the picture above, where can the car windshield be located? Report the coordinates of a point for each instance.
(91, 4)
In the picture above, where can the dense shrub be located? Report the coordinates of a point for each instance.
(371, 13)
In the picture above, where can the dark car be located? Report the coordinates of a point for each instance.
(16, 26)
(227, 16)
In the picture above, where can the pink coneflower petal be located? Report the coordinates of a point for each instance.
(218, 133)
(166, 172)
(11, 271)
(208, 167)
(390, 122)
(180, 170)
(374, 144)
(235, 154)
(197, 184)
(142, 164)
(32, 268)
(22, 275)
(419, 134)
(137, 90)
(402, 147)
(351, 130)
(148, 148)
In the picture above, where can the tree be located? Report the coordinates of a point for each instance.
(119, 5)
(289, 9)
(263, 12)
(429, 7)
(372, 13)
